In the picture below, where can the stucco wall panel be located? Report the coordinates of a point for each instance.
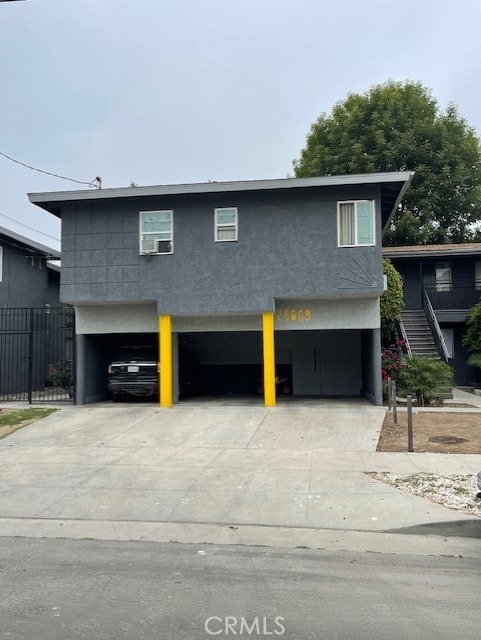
(139, 318)
(287, 246)
(302, 315)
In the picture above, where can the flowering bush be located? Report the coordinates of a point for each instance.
(392, 361)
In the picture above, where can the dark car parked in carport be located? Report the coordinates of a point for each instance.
(134, 371)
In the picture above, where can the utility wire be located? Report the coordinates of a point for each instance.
(30, 228)
(49, 173)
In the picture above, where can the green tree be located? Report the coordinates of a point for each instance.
(425, 378)
(472, 337)
(392, 301)
(399, 126)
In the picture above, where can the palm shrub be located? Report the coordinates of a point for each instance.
(425, 378)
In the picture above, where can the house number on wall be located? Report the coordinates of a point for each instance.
(293, 315)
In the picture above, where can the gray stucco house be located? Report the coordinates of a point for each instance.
(29, 293)
(237, 282)
(29, 275)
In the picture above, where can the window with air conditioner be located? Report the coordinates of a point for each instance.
(156, 232)
(225, 224)
(356, 223)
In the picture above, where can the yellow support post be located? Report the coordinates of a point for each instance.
(166, 373)
(269, 360)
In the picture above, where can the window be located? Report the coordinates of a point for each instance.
(477, 275)
(443, 276)
(226, 224)
(355, 223)
(156, 232)
(1, 264)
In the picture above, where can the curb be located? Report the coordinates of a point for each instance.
(245, 535)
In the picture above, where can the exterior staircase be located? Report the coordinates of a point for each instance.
(419, 334)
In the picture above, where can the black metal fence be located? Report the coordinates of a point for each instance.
(37, 354)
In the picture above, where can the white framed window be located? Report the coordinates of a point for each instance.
(225, 223)
(355, 223)
(444, 279)
(156, 232)
(477, 275)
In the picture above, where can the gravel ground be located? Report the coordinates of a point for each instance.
(456, 492)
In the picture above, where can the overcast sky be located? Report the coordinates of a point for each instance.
(172, 91)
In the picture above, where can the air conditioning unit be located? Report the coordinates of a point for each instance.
(161, 246)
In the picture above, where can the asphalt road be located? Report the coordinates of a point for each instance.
(95, 590)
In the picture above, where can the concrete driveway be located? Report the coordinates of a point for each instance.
(298, 465)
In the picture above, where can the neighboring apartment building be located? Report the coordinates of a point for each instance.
(29, 277)
(447, 280)
(29, 290)
(237, 282)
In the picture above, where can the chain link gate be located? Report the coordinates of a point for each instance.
(37, 354)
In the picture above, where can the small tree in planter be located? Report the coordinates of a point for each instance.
(425, 378)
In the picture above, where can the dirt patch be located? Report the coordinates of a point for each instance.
(433, 432)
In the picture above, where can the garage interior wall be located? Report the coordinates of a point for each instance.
(324, 363)
(92, 361)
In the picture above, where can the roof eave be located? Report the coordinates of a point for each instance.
(50, 201)
(29, 243)
(410, 175)
(426, 254)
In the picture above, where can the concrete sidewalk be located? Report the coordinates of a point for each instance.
(294, 475)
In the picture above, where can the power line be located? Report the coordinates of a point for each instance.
(94, 183)
(30, 228)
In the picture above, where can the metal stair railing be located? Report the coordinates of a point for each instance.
(435, 328)
(403, 335)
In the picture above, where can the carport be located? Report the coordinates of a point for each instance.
(95, 352)
(220, 363)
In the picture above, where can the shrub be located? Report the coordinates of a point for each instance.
(475, 360)
(392, 360)
(392, 301)
(425, 378)
(60, 375)
(472, 337)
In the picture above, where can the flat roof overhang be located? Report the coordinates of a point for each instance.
(392, 185)
(433, 251)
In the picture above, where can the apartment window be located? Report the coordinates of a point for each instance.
(226, 224)
(444, 281)
(477, 275)
(156, 232)
(355, 222)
